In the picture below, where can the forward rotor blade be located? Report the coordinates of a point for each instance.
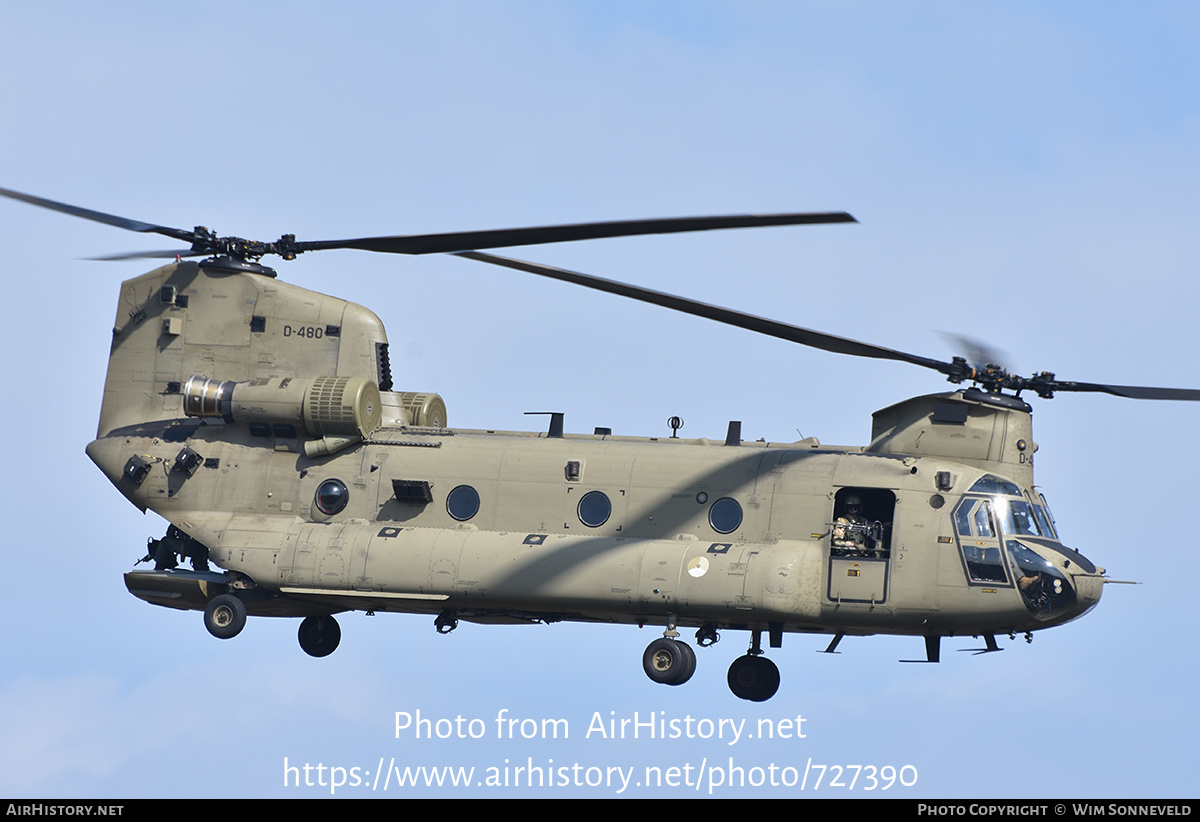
(100, 216)
(978, 354)
(1133, 392)
(505, 237)
(750, 322)
(830, 342)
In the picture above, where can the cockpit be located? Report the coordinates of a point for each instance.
(1007, 538)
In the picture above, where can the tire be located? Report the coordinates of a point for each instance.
(225, 616)
(319, 635)
(689, 664)
(754, 678)
(669, 662)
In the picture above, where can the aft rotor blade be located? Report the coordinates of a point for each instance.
(161, 254)
(100, 216)
(288, 247)
(505, 237)
(750, 322)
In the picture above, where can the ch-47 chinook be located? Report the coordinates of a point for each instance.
(258, 418)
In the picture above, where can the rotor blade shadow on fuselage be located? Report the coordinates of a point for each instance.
(539, 572)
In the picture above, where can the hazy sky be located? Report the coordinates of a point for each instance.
(1024, 173)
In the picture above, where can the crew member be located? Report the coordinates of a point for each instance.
(850, 530)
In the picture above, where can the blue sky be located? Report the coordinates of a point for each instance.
(1024, 173)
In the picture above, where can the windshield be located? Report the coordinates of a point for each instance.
(1016, 517)
(1045, 522)
(1007, 537)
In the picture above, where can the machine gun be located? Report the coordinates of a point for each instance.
(859, 539)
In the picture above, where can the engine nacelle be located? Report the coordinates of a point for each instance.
(325, 406)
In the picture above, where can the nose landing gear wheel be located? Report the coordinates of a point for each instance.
(754, 678)
(225, 616)
(669, 662)
(319, 635)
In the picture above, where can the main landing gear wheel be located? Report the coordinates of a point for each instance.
(319, 635)
(225, 616)
(754, 678)
(669, 662)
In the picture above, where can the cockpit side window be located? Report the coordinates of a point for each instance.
(983, 520)
(978, 543)
(974, 518)
(962, 519)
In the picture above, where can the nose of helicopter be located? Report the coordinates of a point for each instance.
(1056, 583)
(1088, 588)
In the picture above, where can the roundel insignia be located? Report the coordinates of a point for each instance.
(697, 566)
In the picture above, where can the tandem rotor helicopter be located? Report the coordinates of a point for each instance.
(259, 419)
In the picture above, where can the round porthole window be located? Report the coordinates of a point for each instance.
(594, 509)
(332, 496)
(725, 515)
(463, 502)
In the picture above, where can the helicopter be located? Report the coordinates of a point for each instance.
(259, 419)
